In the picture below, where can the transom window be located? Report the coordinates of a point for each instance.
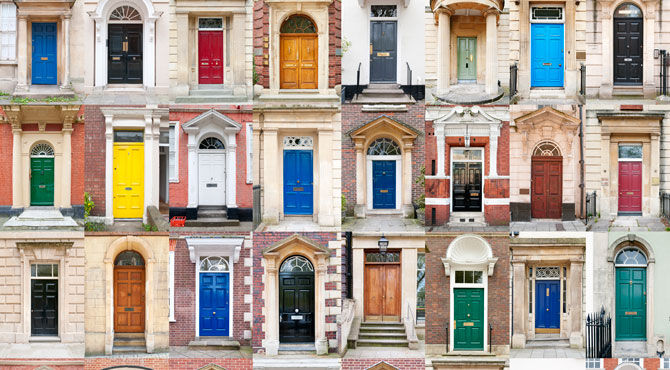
(128, 136)
(296, 264)
(298, 142)
(45, 270)
(382, 257)
(631, 256)
(628, 10)
(125, 13)
(466, 155)
(469, 277)
(129, 258)
(211, 143)
(630, 151)
(547, 273)
(214, 264)
(546, 13)
(383, 11)
(384, 146)
(298, 23)
(210, 23)
(42, 150)
(546, 149)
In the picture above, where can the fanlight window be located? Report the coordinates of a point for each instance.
(213, 264)
(547, 273)
(42, 150)
(129, 258)
(546, 149)
(296, 264)
(125, 13)
(211, 143)
(631, 256)
(628, 10)
(298, 24)
(384, 146)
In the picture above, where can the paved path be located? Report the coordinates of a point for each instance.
(628, 223)
(548, 225)
(388, 224)
(467, 229)
(386, 352)
(547, 353)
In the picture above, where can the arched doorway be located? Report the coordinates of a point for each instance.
(546, 181)
(631, 294)
(384, 170)
(42, 175)
(125, 50)
(298, 54)
(628, 40)
(214, 296)
(296, 300)
(211, 172)
(129, 292)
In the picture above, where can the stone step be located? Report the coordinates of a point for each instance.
(202, 99)
(386, 86)
(381, 335)
(129, 342)
(211, 92)
(297, 363)
(212, 222)
(374, 329)
(212, 213)
(547, 343)
(128, 349)
(382, 343)
(382, 324)
(214, 343)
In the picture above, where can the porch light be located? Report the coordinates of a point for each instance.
(383, 244)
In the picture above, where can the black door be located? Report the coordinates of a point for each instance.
(628, 51)
(44, 307)
(296, 307)
(125, 54)
(383, 51)
(467, 187)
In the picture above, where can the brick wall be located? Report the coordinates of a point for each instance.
(353, 118)
(438, 292)
(197, 363)
(400, 363)
(153, 363)
(35, 364)
(77, 170)
(94, 163)
(6, 145)
(334, 43)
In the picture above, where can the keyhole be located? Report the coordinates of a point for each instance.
(466, 65)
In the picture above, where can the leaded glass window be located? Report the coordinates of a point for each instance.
(546, 149)
(211, 143)
(469, 277)
(214, 264)
(384, 146)
(296, 264)
(383, 11)
(630, 256)
(628, 10)
(298, 142)
(210, 23)
(42, 150)
(547, 13)
(125, 13)
(298, 24)
(128, 136)
(382, 257)
(547, 273)
(630, 151)
(129, 258)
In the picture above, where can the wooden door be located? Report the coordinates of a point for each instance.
(546, 55)
(547, 306)
(469, 318)
(129, 296)
(383, 49)
(212, 179)
(467, 187)
(44, 307)
(631, 303)
(382, 292)
(546, 186)
(128, 176)
(44, 54)
(214, 304)
(383, 184)
(298, 182)
(628, 51)
(298, 61)
(41, 181)
(210, 57)
(630, 187)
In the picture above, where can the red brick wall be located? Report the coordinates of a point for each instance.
(197, 363)
(52, 364)
(400, 363)
(353, 118)
(77, 170)
(94, 162)
(179, 190)
(334, 43)
(6, 145)
(438, 291)
(99, 363)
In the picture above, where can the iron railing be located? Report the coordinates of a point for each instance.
(591, 203)
(665, 205)
(490, 333)
(598, 335)
(409, 75)
(665, 60)
(358, 80)
(256, 215)
(446, 330)
(513, 71)
(582, 79)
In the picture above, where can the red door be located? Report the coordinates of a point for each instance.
(546, 187)
(210, 57)
(630, 186)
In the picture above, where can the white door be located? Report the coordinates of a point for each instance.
(212, 179)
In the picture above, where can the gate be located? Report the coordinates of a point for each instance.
(598, 335)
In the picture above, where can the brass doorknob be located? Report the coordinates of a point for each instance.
(214, 313)
(547, 309)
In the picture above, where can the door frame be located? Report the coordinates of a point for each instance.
(451, 173)
(203, 253)
(530, 38)
(398, 178)
(484, 285)
(113, 301)
(30, 180)
(614, 34)
(397, 44)
(28, 296)
(641, 160)
(197, 45)
(212, 151)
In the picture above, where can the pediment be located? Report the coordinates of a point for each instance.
(547, 115)
(212, 367)
(467, 115)
(212, 117)
(384, 123)
(291, 241)
(382, 366)
(200, 246)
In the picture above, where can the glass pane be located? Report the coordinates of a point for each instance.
(43, 270)
(630, 256)
(55, 271)
(129, 258)
(478, 277)
(297, 24)
(213, 264)
(546, 13)
(383, 146)
(460, 276)
(383, 11)
(33, 270)
(466, 154)
(628, 11)
(296, 264)
(630, 151)
(128, 136)
(210, 23)
(211, 143)
(382, 257)
(421, 287)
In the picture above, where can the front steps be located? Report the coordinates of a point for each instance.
(383, 94)
(211, 94)
(547, 342)
(297, 348)
(382, 334)
(474, 219)
(214, 343)
(129, 343)
(212, 216)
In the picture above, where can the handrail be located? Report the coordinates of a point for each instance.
(446, 329)
(490, 333)
(582, 79)
(358, 80)
(410, 324)
(409, 75)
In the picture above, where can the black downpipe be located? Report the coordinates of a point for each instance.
(348, 245)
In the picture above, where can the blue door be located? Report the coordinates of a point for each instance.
(546, 55)
(547, 304)
(45, 49)
(214, 304)
(383, 184)
(298, 182)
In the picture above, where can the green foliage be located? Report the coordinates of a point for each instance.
(255, 77)
(148, 227)
(421, 180)
(60, 99)
(346, 44)
(19, 100)
(88, 207)
(344, 203)
(2, 93)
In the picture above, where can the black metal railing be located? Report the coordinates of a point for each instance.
(591, 203)
(513, 71)
(582, 79)
(446, 330)
(490, 332)
(665, 205)
(598, 335)
(256, 215)
(409, 75)
(665, 60)
(358, 80)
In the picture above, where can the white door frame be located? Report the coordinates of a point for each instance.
(225, 158)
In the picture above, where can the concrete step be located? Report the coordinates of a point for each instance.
(376, 329)
(547, 343)
(297, 363)
(475, 219)
(214, 343)
(128, 349)
(382, 335)
(214, 213)
(382, 343)
(202, 99)
(211, 92)
(129, 342)
(212, 222)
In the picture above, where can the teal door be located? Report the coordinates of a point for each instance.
(467, 59)
(469, 319)
(41, 181)
(546, 55)
(631, 303)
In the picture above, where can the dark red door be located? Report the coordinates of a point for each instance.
(630, 187)
(210, 57)
(546, 187)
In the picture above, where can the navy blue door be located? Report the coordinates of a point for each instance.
(383, 184)
(214, 304)
(547, 304)
(45, 52)
(298, 182)
(546, 55)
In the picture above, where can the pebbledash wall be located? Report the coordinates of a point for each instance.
(182, 324)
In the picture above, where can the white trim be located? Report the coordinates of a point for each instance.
(438, 201)
(250, 152)
(175, 127)
(451, 171)
(398, 178)
(171, 317)
(496, 202)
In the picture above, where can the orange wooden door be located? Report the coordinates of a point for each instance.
(129, 299)
(382, 294)
(298, 61)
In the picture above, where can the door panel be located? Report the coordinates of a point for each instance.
(124, 63)
(212, 179)
(384, 184)
(469, 319)
(467, 58)
(129, 299)
(546, 187)
(214, 304)
(382, 293)
(546, 54)
(210, 57)
(631, 303)
(41, 181)
(467, 187)
(128, 180)
(383, 57)
(45, 53)
(628, 51)
(630, 187)
(298, 182)
(296, 307)
(547, 304)
(44, 307)
(298, 62)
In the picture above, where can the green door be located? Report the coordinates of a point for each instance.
(631, 303)
(41, 181)
(467, 59)
(469, 319)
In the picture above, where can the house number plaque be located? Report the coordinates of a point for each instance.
(298, 188)
(633, 313)
(296, 317)
(468, 324)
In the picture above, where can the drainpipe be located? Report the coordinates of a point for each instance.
(581, 163)
(511, 268)
(348, 245)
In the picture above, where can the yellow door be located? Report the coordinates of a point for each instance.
(128, 180)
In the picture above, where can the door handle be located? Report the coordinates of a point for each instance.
(125, 46)
(370, 48)
(547, 309)
(546, 64)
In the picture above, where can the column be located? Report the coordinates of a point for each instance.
(606, 46)
(325, 179)
(22, 53)
(519, 305)
(361, 181)
(321, 342)
(148, 56)
(648, 53)
(270, 174)
(66, 175)
(271, 342)
(439, 137)
(66, 50)
(231, 173)
(407, 181)
(575, 304)
(191, 146)
(444, 49)
(100, 52)
(109, 172)
(654, 177)
(491, 51)
(494, 134)
(17, 172)
(183, 53)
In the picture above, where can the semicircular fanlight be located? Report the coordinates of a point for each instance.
(211, 143)
(42, 150)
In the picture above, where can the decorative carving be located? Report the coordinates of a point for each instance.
(298, 142)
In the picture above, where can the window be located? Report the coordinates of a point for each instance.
(546, 149)
(383, 11)
(296, 264)
(546, 13)
(594, 363)
(128, 136)
(421, 287)
(41, 270)
(467, 155)
(627, 10)
(382, 257)
(384, 146)
(630, 151)
(211, 143)
(298, 24)
(213, 264)
(469, 277)
(210, 23)
(665, 364)
(129, 258)
(250, 155)
(173, 156)
(631, 256)
(42, 150)
(125, 13)
(7, 31)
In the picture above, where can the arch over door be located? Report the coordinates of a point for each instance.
(296, 300)
(546, 181)
(298, 54)
(42, 175)
(628, 39)
(129, 292)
